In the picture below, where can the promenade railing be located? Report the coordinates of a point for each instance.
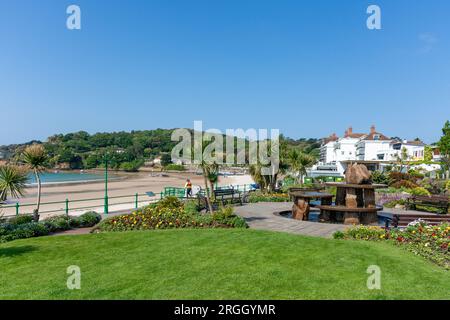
(127, 202)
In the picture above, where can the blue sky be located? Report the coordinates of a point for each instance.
(308, 68)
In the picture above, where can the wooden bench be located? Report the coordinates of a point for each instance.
(436, 201)
(221, 197)
(228, 196)
(402, 220)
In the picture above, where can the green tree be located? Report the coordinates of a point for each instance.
(165, 159)
(402, 159)
(428, 153)
(12, 181)
(35, 157)
(444, 147)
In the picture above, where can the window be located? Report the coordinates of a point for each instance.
(380, 156)
(376, 137)
(342, 152)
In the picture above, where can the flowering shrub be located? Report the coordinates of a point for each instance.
(431, 242)
(170, 214)
(384, 199)
(372, 233)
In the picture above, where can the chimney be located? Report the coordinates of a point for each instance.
(350, 130)
(372, 129)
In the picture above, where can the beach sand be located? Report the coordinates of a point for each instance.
(127, 185)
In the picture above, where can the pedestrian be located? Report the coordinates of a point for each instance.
(188, 187)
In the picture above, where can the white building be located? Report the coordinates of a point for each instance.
(373, 149)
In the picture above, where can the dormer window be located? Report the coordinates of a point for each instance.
(376, 137)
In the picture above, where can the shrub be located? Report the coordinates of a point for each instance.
(434, 186)
(63, 222)
(175, 167)
(447, 185)
(393, 203)
(88, 219)
(419, 191)
(20, 220)
(404, 184)
(169, 203)
(399, 179)
(258, 196)
(373, 233)
(132, 166)
(381, 177)
(26, 230)
(57, 223)
(191, 207)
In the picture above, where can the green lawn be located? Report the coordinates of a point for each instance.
(213, 264)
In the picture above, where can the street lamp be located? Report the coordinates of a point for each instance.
(106, 184)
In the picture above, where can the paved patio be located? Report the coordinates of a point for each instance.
(261, 216)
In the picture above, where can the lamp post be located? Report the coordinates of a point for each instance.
(106, 210)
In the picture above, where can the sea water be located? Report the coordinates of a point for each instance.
(64, 177)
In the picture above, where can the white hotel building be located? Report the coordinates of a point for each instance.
(373, 149)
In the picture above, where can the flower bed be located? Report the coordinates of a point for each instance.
(431, 242)
(170, 213)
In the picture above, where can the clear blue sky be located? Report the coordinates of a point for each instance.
(308, 68)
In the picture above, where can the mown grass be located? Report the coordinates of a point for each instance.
(213, 264)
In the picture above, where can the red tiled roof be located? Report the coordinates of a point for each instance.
(355, 135)
(371, 136)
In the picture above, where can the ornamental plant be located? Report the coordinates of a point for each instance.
(429, 241)
(170, 213)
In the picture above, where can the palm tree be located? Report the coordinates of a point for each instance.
(206, 167)
(255, 173)
(300, 162)
(35, 157)
(12, 182)
(213, 175)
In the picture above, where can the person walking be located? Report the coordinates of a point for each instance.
(188, 187)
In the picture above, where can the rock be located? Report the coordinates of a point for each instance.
(357, 174)
(350, 201)
(351, 218)
(300, 211)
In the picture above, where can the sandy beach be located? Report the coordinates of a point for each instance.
(126, 185)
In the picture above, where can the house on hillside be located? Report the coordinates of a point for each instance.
(374, 149)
